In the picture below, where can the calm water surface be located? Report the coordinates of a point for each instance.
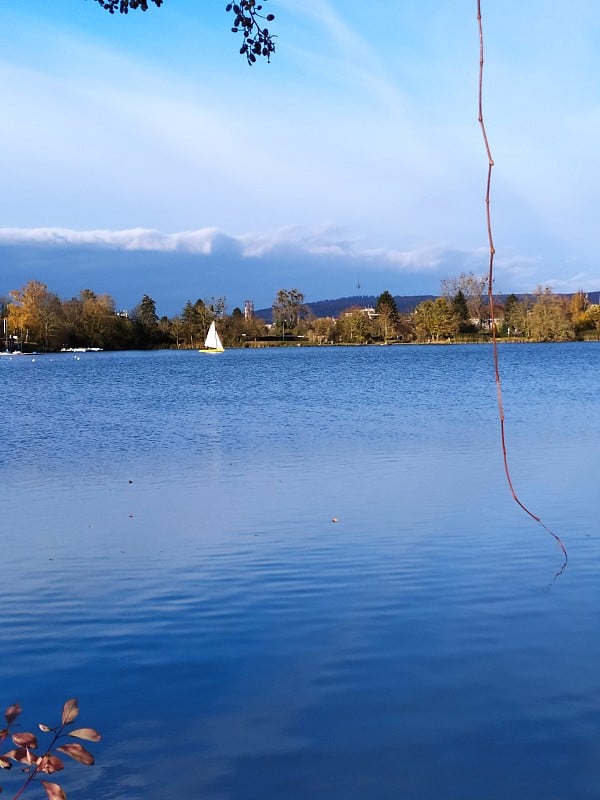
(169, 557)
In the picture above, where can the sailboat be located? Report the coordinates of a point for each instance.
(212, 343)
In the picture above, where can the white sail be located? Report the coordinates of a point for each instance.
(213, 340)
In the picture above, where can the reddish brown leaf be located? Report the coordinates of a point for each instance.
(70, 711)
(5, 763)
(12, 712)
(3, 734)
(78, 752)
(25, 740)
(86, 733)
(54, 791)
(49, 764)
(44, 728)
(23, 755)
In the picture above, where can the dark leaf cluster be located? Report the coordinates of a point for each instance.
(258, 40)
(248, 21)
(123, 6)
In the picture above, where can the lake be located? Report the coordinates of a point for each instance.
(300, 573)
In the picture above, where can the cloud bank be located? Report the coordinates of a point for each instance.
(175, 267)
(324, 241)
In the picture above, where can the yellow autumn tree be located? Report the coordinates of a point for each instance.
(34, 313)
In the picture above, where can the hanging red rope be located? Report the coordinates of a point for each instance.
(492, 251)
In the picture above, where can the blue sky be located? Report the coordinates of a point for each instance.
(141, 153)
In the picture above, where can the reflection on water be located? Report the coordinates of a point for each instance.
(171, 559)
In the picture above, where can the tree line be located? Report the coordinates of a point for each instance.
(35, 318)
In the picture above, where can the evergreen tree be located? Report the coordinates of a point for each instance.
(145, 320)
(387, 315)
(386, 304)
(514, 316)
(473, 287)
(460, 310)
(146, 312)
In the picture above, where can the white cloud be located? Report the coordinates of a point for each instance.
(201, 242)
(321, 241)
(422, 258)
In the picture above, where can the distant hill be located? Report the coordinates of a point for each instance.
(594, 297)
(333, 308)
(404, 303)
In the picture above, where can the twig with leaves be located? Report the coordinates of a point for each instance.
(123, 6)
(257, 39)
(34, 764)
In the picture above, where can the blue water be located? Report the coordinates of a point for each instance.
(170, 557)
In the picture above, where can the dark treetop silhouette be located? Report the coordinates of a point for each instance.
(257, 40)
